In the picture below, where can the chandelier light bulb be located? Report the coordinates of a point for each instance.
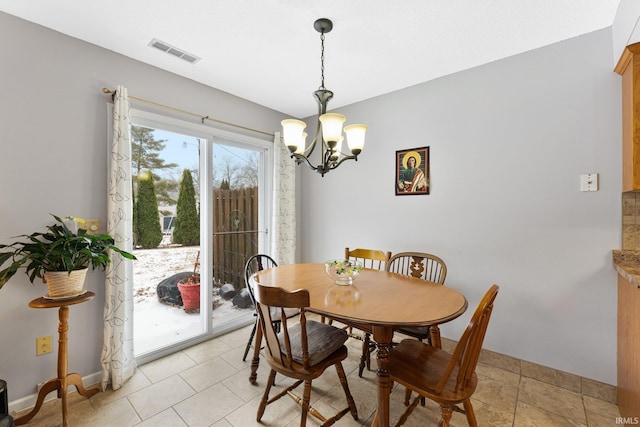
(336, 153)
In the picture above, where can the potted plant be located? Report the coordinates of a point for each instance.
(190, 289)
(59, 257)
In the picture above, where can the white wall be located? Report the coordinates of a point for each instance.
(53, 156)
(626, 30)
(508, 141)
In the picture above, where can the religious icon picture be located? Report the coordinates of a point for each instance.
(412, 171)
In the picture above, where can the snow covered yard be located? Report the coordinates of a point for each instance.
(155, 323)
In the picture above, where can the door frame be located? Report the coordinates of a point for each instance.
(208, 136)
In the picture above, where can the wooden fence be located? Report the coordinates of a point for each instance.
(235, 233)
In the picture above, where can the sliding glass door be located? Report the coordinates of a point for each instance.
(200, 211)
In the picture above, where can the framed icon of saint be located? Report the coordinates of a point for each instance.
(412, 171)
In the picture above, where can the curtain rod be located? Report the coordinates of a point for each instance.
(200, 116)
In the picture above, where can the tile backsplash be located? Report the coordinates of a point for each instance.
(631, 221)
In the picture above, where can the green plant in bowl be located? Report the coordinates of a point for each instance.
(343, 272)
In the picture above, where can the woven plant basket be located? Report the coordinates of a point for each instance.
(62, 284)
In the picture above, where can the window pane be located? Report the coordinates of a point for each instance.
(166, 237)
(236, 221)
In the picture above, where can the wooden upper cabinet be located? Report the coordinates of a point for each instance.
(629, 68)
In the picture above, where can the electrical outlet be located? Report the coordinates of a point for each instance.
(43, 345)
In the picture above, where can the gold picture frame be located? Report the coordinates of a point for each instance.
(412, 171)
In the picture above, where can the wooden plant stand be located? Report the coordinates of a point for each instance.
(64, 379)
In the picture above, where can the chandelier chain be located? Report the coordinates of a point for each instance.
(322, 61)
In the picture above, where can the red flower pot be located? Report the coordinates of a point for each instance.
(190, 293)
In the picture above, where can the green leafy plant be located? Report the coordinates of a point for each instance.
(58, 249)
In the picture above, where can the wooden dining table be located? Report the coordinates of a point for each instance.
(383, 300)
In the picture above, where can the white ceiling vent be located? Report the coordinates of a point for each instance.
(172, 50)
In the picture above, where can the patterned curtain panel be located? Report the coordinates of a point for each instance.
(118, 362)
(283, 239)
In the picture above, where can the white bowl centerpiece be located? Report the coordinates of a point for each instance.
(343, 272)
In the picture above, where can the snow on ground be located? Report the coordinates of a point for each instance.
(155, 265)
(157, 324)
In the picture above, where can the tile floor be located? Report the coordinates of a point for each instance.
(207, 385)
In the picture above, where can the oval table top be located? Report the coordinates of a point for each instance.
(376, 297)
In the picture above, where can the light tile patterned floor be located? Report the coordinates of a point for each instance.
(207, 385)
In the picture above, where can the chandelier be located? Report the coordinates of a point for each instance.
(329, 129)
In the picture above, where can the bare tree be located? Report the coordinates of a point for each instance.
(248, 172)
(225, 169)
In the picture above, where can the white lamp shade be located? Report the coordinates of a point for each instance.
(332, 126)
(355, 137)
(292, 130)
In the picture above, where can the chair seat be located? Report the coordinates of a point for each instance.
(323, 341)
(421, 332)
(420, 366)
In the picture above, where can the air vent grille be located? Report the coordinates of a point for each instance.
(174, 51)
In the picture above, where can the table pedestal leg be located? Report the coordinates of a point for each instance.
(383, 336)
(436, 341)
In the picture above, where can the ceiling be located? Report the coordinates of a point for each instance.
(268, 52)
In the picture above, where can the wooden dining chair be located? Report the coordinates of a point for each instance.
(448, 379)
(376, 260)
(418, 264)
(254, 264)
(424, 266)
(302, 351)
(370, 258)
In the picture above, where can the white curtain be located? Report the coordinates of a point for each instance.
(283, 239)
(118, 362)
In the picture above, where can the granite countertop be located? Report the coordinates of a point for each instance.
(627, 264)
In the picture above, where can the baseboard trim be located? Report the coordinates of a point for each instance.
(556, 377)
